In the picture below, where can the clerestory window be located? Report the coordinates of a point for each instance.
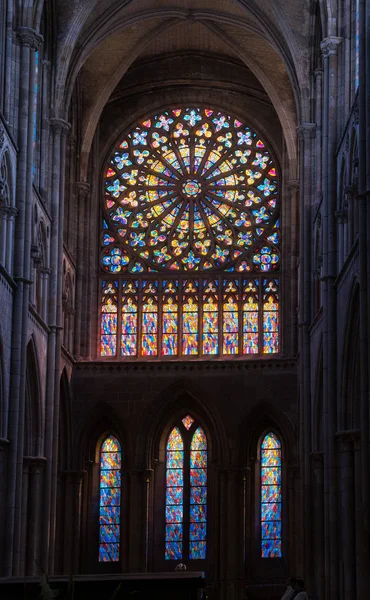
(190, 240)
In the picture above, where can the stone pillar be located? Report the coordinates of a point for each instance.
(329, 47)
(71, 537)
(4, 211)
(30, 41)
(361, 546)
(4, 443)
(222, 527)
(293, 187)
(12, 213)
(35, 468)
(317, 550)
(342, 229)
(306, 134)
(347, 517)
(148, 478)
(44, 274)
(83, 192)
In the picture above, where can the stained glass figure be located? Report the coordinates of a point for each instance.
(149, 320)
(110, 500)
(210, 317)
(271, 499)
(270, 316)
(230, 317)
(129, 318)
(190, 318)
(198, 496)
(250, 317)
(170, 320)
(187, 422)
(192, 189)
(108, 327)
(174, 496)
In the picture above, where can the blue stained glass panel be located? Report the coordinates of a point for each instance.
(174, 514)
(271, 549)
(271, 493)
(110, 496)
(271, 511)
(271, 530)
(174, 477)
(173, 550)
(108, 552)
(109, 533)
(110, 500)
(198, 477)
(198, 495)
(109, 478)
(198, 513)
(198, 458)
(110, 460)
(271, 497)
(271, 458)
(270, 475)
(174, 459)
(174, 495)
(174, 532)
(198, 531)
(197, 550)
(109, 515)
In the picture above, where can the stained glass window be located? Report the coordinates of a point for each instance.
(108, 337)
(357, 43)
(110, 500)
(191, 218)
(186, 492)
(271, 497)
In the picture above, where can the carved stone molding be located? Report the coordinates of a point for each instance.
(2, 136)
(59, 126)
(30, 37)
(9, 211)
(46, 65)
(306, 131)
(188, 366)
(83, 188)
(330, 45)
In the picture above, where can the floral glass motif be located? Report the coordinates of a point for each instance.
(187, 422)
(228, 315)
(198, 496)
(110, 500)
(190, 189)
(174, 495)
(271, 546)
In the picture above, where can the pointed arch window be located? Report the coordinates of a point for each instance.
(110, 500)
(271, 496)
(186, 492)
(190, 240)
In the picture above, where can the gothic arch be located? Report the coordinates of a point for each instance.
(33, 404)
(350, 397)
(170, 405)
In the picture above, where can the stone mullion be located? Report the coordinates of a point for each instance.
(329, 48)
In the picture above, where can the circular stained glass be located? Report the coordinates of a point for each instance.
(191, 189)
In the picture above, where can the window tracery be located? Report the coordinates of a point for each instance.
(190, 240)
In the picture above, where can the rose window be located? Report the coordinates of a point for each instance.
(191, 195)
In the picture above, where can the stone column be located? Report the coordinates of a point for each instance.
(293, 187)
(35, 465)
(30, 41)
(148, 478)
(4, 443)
(12, 213)
(72, 519)
(83, 192)
(342, 228)
(361, 546)
(306, 134)
(222, 527)
(59, 128)
(44, 274)
(329, 47)
(4, 210)
(318, 558)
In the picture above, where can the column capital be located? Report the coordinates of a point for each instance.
(348, 440)
(59, 126)
(30, 37)
(35, 463)
(317, 458)
(341, 216)
(83, 188)
(293, 185)
(318, 72)
(306, 131)
(330, 45)
(9, 211)
(46, 65)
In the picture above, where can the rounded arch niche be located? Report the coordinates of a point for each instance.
(190, 239)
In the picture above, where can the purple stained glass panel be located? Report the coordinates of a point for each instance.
(108, 345)
(197, 550)
(109, 323)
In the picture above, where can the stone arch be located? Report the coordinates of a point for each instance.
(7, 211)
(350, 400)
(33, 404)
(169, 406)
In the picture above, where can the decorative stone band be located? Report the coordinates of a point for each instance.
(30, 37)
(330, 45)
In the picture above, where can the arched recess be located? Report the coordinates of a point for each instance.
(183, 412)
(264, 420)
(350, 401)
(88, 440)
(33, 405)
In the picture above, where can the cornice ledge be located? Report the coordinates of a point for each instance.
(177, 366)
